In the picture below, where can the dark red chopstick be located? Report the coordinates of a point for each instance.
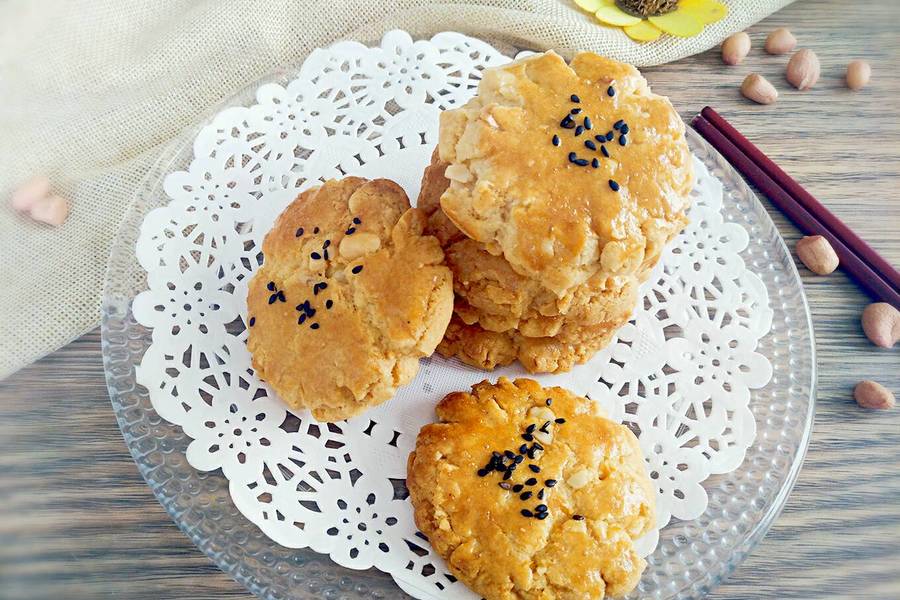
(863, 273)
(804, 198)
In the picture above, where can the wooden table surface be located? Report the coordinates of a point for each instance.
(77, 521)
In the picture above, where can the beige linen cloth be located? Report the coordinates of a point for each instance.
(91, 90)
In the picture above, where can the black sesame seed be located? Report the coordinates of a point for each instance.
(560, 420)
(527, 513)
(355, 270)
(270, 286)
(315, 256)
(329, 303)
(567, 122)
(316, 230)
(550, 482)
(574, 111)
(505, 485)
(579, 130)
(350, 231)
(618, 124)
(555, 140)
(314, 326)
(523, 449)
(549, 401)
(531, 452)
(252, 321)
(613, 185)
(326, 244)
(581, 162)
(540, 494)
(624, 128)
(527, 437)
(572, 157)
(530, 481)
(507, 475)
(610, 91)
(534, 468)
(357, 221)
(578, 517)
(623, 140)
(325, 254)
(590, 144)
(540, 508)
(538, 446)
(301, 320)
(609, 136)
(595, 163)
(482, 472)
(604, 151)
(518, 488)
(542, 516)
(280, 296)
(518, 459)
(299, 232)
(509, 454)
(530, 428)
(587, 123)
(574, 98)
(310, 312)
(496, 454)
(525, 496)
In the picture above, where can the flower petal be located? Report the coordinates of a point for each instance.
(679, 22)
(613, 15)
(708, 11)
(592, 5)
(645, 31)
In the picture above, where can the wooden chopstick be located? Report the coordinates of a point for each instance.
(825, 216)
(865, 274)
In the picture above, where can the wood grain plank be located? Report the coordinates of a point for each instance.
(77, 520)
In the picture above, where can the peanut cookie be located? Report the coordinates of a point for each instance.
(350, 296)
(531, 493)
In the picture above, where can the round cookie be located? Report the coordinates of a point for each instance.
(530, 179)
(562, 523)
(350, 296)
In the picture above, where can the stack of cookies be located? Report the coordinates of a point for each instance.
(553, 193)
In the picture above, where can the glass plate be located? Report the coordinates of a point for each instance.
(692, 558)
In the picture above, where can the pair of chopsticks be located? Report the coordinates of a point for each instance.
(872, 272)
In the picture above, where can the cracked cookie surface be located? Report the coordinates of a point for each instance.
(589, 477)
(350, 296)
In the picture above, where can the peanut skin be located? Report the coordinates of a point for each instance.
(881, 324)
(817, 254)
(870, 394)
(735, 48)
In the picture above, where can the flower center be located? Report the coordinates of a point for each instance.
(647, 8)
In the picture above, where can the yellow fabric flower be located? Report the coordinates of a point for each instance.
(687, 19)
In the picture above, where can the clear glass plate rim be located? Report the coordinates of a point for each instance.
(171, 152)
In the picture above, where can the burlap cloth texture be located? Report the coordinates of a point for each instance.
(92, 90)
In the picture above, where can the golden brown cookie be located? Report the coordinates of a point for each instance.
(350, 296)
(490, 349)
(531, 180)
(531, 493)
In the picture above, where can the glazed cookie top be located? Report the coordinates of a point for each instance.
(530, 492)
(350, 296)
(566, 169)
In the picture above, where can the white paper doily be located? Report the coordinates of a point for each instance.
(680, 373)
